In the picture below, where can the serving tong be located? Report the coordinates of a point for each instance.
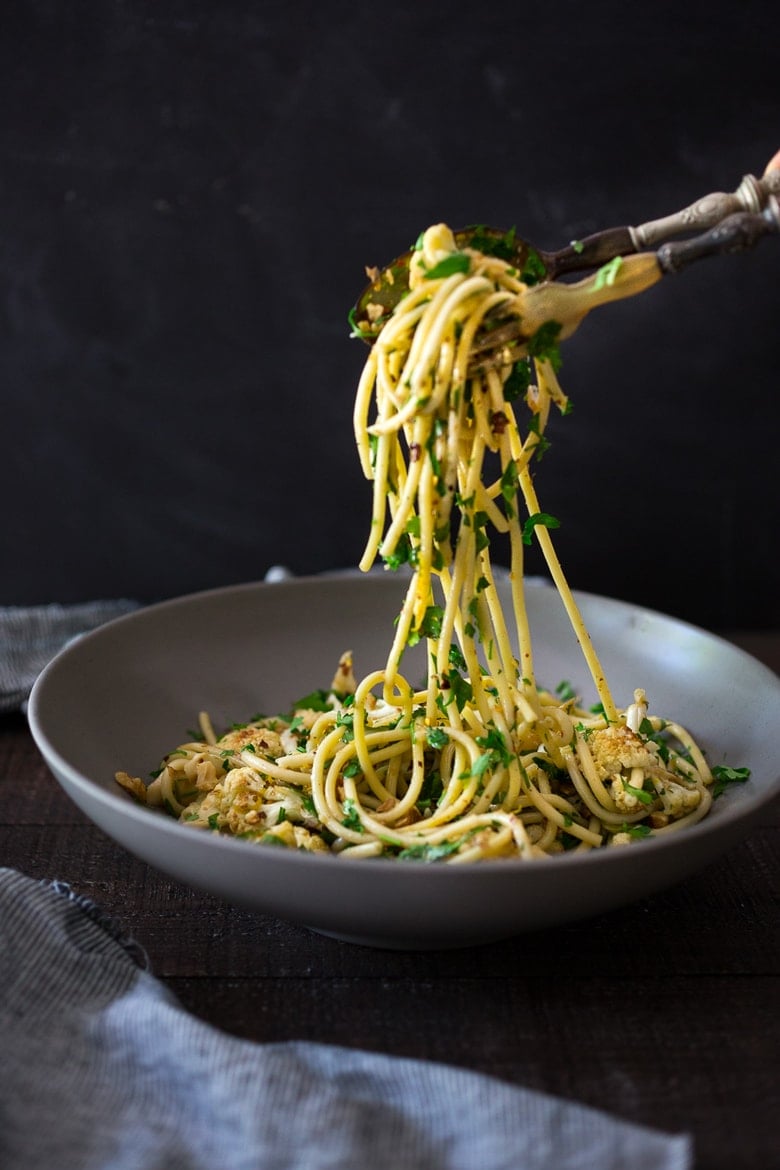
(716, 224)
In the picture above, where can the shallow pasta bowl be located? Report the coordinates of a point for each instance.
(123, 695)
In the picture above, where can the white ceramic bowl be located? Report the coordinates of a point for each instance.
(123, 695)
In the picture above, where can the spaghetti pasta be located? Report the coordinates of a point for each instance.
(482, 762)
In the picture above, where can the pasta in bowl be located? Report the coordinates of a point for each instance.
(125, 693)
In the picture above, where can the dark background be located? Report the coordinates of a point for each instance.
(190, 192)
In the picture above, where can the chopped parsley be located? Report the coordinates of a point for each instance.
(456, 262)
(437, 737)
(434, 852)
(543, 520)
(534, 270)
(489, 244)
(640, 793)
(455, 688)
(346, 721)
(496, 748)
(480, 522)
(723, 776)
(456, 658)
(542, 443)
(430, 626)
(565, 691)
(509, 481)
(359, 329)
(545, 344)
(316, 701)
(404, 553)
(518, 381)
(351, 819)
(607, 274)
(637, 831)
(430, 791)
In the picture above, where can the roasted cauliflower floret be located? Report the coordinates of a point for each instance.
(134, 785)
(344, 682)
(234, 805)
(619, 749)
(264, 740)
(678, 799)
(621, 839)
(623, 758)
(294, 837)
(246, 802)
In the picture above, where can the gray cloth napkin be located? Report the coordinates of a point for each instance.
(101, 1069)
(31, 635)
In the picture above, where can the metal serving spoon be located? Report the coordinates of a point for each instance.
(726, 222)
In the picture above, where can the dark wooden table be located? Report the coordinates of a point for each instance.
(666, 1013)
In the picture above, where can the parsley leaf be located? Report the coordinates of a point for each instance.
(456, 658)
(518, 381)
(489, 244)
(430, 626)
(346, 720)
(437, 737)
(456, 262)
(509, 481)
(607, 274)
(640, 793)
(351, 818)
(360, 329)
(316, 701)
(543, 519)
(456, 687)
(545, 345)
(638, 831)
(723, 776)
(534, 270)
(404, 554)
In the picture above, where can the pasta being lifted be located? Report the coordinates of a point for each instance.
(483, 762)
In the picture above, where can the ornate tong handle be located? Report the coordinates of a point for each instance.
(749, 206)
(733, 234)
(643, 260)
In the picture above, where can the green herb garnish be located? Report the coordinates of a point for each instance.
(545, 344)
(518, 381)
(456, 262)
(351, 819)
(541, 519)
(534, 270)
(607, 274)
(723, 776)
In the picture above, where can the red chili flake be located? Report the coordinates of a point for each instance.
(414, 452)
(498, 422)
